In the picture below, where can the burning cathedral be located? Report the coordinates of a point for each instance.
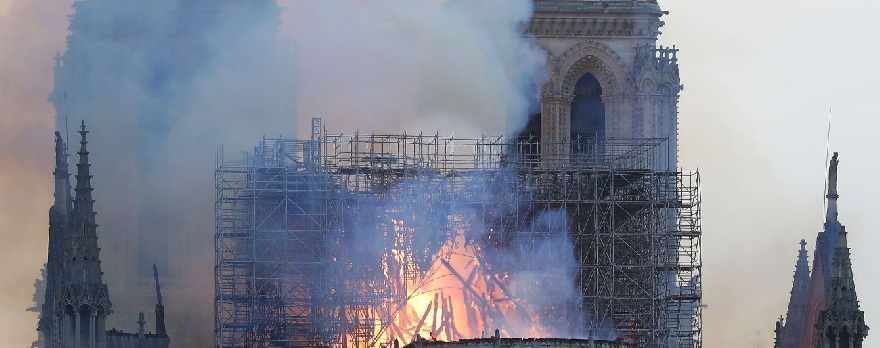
(580, 226)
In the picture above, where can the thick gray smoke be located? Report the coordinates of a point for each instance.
(390, 65)
(163, 84)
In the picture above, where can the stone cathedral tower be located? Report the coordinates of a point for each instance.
(842, 324)
(605, 76)
(77, 301)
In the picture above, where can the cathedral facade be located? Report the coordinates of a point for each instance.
(823, 311)
(605, 76)
(77, 300)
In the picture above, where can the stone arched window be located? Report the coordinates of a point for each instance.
(591, 81)
(587, 109)
(830, 337)
(844, 338)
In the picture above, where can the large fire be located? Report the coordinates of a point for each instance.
(459, 296)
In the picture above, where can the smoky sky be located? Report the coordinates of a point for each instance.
(431, 66)
(759, 81)
(759, 78)
(164, 85)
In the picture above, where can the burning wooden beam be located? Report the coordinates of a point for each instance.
(488, 308)
(434, 322)
(450, 318)
(421, 323)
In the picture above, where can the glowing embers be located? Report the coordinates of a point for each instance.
(471, 287)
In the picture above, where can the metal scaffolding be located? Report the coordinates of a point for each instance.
(322, 242)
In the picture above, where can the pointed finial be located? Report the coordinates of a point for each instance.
(802, 260)
(82, 132)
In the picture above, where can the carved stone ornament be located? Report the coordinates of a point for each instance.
(597, 59)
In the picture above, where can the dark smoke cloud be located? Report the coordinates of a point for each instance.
(163, 84)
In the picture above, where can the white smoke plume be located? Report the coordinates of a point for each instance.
(163, 84)
(390, 65)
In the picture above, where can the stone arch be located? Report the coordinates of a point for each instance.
(607, 67)
(647, 85)
(844, 338)
(593, 65)
(830, 335)
(596, 58)
(667, 89)
(547, 77)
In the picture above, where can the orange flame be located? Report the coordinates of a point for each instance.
(457, 297)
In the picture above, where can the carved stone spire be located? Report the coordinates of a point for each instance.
(797, 305)
(59, 220)
(828, 238)
(84, 300)
(84, 204)
(843, 287)
(63, 203)
(85, 264)
(842, 322)
(160, 308)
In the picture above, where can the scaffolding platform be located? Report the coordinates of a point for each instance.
(321, 242)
